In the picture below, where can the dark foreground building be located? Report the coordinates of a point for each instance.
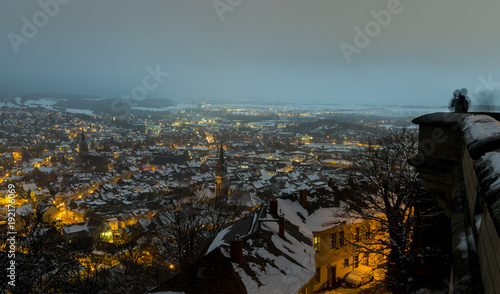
(459, 162)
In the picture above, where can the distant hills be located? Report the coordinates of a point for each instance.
(85, 102)
(105, 105)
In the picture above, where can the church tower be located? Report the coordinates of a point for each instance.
(221, 179)
(83, 147)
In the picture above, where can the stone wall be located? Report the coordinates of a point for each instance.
(456, 164)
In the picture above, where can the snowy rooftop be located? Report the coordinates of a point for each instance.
(272, 264)
(76, 227)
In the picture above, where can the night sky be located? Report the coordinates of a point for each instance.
(282, 50)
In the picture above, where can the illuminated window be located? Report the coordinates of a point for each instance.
(316, 244)
(107, 236)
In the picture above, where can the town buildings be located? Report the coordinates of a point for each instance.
(99, 180)
(300, 243)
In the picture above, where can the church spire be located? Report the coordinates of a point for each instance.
(83, 146)
(221, 178)
(82, 138)
(221, 166)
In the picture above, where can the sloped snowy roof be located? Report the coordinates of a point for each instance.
(76, 227)
(29, 186)
(272, 264)
(24, 209)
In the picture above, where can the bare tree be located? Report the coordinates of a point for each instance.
(131, 274)
(186, 229)
(385, 192)
(44, 263)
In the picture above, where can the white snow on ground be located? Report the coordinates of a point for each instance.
(45, 103)
(149, 109)
(179, 106)
(10, 104)
(80, 111)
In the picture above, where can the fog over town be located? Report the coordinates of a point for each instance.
(237, 146)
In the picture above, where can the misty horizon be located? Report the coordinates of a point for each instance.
(384, 52)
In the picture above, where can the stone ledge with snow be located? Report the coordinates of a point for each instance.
(481, 134)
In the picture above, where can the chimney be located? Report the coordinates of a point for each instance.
(281, 223)
(273, 206)
(236, 250)
(303, 197)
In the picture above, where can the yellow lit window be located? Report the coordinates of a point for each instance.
(316, 244)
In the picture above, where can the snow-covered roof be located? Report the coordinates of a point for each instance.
(273, 264)
(29, 186)
(76, 227)
(24, 209)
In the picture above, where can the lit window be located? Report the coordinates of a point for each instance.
(107, 236)
(316, 244)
